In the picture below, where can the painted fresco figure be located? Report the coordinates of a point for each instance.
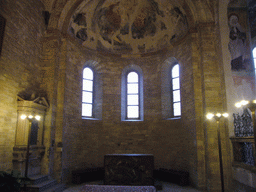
(236, 44)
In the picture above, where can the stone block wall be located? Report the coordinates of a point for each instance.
(19, 65)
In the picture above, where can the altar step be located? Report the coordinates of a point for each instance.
(43, 183)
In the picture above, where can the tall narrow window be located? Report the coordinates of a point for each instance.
(254, 59)
(132, 93)
(87, 95)
(175, 90)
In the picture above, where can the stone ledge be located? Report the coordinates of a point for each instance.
(244, 176)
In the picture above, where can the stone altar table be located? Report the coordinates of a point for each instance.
(129, 169)
(114, 188)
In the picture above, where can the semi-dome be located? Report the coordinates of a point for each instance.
(129, 26)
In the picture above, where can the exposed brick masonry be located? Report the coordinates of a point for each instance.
(19, 65)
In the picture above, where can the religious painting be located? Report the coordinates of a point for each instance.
(239, 36)
(237, 44)
(2, 27)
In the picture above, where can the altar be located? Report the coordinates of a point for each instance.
(129, 169)
(115, 188)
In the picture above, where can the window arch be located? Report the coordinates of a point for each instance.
(171, 96)
(91, 94)
(132, 94)
(88, 93)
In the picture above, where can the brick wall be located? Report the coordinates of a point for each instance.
(19, 65)
(85, 142)
(180, 144)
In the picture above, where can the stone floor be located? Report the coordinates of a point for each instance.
(165, 185)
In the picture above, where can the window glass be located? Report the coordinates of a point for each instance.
(87, 94)
(254, 53)
(87, 97)
(132, 108)
(175, 71)
(175, 84)
(177, 109)
(86, 110)
(88, 73)
(132, 112)
(254, 57)
(132, 88)
(132, 77)
(87, 85)
(132, 100)
(176, 96)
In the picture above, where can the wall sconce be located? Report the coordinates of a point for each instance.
(250, 104)
(30, 118)
(217, 117)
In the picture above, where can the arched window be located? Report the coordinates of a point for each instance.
(171, 94)
(88, 93)
(132, 94)
(175, 91)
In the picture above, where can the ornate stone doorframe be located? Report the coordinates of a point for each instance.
(34, 138)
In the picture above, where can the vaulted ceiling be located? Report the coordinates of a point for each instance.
(128, 26)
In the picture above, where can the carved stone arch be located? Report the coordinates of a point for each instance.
(60, 18)
(201, 11)
(56, 9)
(67, 13)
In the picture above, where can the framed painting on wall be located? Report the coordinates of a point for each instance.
(2, 27)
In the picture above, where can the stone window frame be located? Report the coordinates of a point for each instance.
(126, 71)
(166, 88)
(97, 91)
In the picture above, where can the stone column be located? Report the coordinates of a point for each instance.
(198, 98)
(60, 114)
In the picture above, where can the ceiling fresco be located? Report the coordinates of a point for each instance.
(129, 26)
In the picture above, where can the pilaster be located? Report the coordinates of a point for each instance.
(209, 93)
(52, 83)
